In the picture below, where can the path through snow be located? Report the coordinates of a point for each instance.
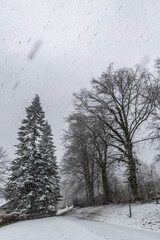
(71, 228)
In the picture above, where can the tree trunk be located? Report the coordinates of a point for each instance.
(91, 193)
(89, 183)
(89, 190)
(105, 186)
(132, 178)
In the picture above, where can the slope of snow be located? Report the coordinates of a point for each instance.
(70, 228)
(2, 201)
(145, 216)
(64, 211)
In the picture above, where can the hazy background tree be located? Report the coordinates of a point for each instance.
(4, 170)
(101, 145)
(78, 160)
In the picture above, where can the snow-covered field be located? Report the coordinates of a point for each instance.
(71, 228)
(146, 216)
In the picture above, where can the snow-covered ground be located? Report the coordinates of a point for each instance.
(64, 211)
(100, 223)
(146, 216)
(2, 201)
(71, 228)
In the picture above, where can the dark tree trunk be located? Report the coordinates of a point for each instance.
(88, 174)
(132, 177)
(91, 193)
(105, 186)
(89, 190)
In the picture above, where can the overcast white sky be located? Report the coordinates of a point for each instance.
(69, 43)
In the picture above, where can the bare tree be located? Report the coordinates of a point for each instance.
(148, 181)
(127, 97)
(155, 121)
(101, 142)
(4, 165)
(78, 161)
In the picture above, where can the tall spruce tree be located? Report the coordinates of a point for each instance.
(49, 188)
(34, 171)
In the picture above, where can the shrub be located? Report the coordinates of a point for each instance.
(9, 218)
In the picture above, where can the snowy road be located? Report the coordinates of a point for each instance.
(70, 228)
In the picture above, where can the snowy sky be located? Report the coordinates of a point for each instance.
(55, 47)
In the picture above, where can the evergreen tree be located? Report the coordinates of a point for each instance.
(30, 177)
(49, 189)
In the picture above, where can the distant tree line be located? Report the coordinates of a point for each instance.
(107, 124)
